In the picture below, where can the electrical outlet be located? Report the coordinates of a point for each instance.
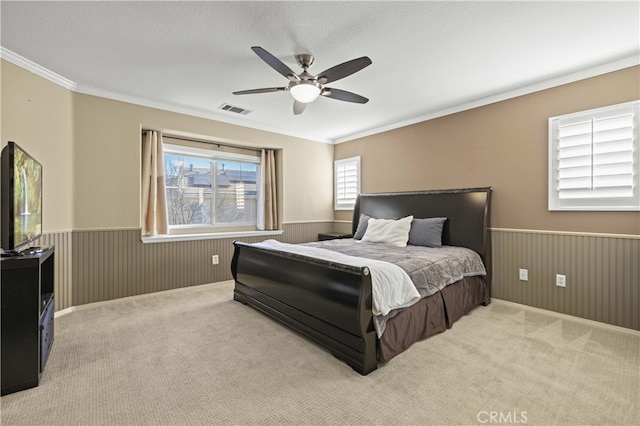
(524, 274)
(214, 259)
(561, 280)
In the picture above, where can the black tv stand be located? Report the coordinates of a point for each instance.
(23, 252)
(27, 306)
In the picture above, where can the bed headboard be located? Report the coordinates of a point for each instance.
(466, 210)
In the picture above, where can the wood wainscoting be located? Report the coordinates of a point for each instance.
(63, 258)
(603, 271)
(98, 265)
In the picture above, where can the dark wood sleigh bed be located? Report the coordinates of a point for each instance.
(331, 303)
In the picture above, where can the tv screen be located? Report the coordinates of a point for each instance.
(21, 198)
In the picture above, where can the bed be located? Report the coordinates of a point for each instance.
(332, 302)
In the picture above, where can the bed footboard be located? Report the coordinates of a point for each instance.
(327, 302)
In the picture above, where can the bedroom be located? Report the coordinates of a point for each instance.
(92, 214)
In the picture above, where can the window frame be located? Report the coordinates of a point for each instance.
(348, 204)
(595, 203)
(213, 155)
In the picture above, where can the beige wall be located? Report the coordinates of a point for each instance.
(37, 115)
(503, 145)
(107, 162)
(90, 151)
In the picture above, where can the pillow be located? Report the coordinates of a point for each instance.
(362, 226)
(427, 232)
(388, 231)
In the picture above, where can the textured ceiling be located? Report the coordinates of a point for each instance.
(429, 58)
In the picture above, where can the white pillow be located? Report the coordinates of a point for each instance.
(388, 231)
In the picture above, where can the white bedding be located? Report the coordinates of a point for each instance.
(391, 286)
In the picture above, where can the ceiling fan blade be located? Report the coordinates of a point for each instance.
(273, 62)
(343, 70)
(298, 107)
(343, 95)
(265, 90)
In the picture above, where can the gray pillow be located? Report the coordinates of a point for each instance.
(362, 226)
(427, 232)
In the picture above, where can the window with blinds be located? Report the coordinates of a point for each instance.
(594, 159)
(346, 182)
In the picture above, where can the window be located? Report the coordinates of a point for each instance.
(207, 188)
(594, 159)
(346, 182)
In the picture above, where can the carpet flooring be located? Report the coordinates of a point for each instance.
(196, 357)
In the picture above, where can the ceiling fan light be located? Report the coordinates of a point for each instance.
(305, 92)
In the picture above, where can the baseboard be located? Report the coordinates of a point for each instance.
(559, 315)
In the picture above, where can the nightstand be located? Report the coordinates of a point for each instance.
(323, 236)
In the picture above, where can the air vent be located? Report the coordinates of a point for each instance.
(237, 110)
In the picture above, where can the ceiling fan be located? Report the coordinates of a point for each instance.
(305, 87)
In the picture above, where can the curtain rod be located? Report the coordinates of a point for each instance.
(218, 144)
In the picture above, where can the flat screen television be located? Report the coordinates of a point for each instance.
(20, 199)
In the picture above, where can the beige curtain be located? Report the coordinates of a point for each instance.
(268, 200)
(154, 203)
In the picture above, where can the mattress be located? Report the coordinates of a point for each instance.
(431, 269)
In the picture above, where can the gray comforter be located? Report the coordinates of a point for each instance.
(430, 269)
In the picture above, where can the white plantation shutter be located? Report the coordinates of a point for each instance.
(346, 182)
(594, 159)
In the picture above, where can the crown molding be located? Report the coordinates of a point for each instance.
(43, 72)
(194, 112)
(39, 70)
(525, 90)
(222, 117)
